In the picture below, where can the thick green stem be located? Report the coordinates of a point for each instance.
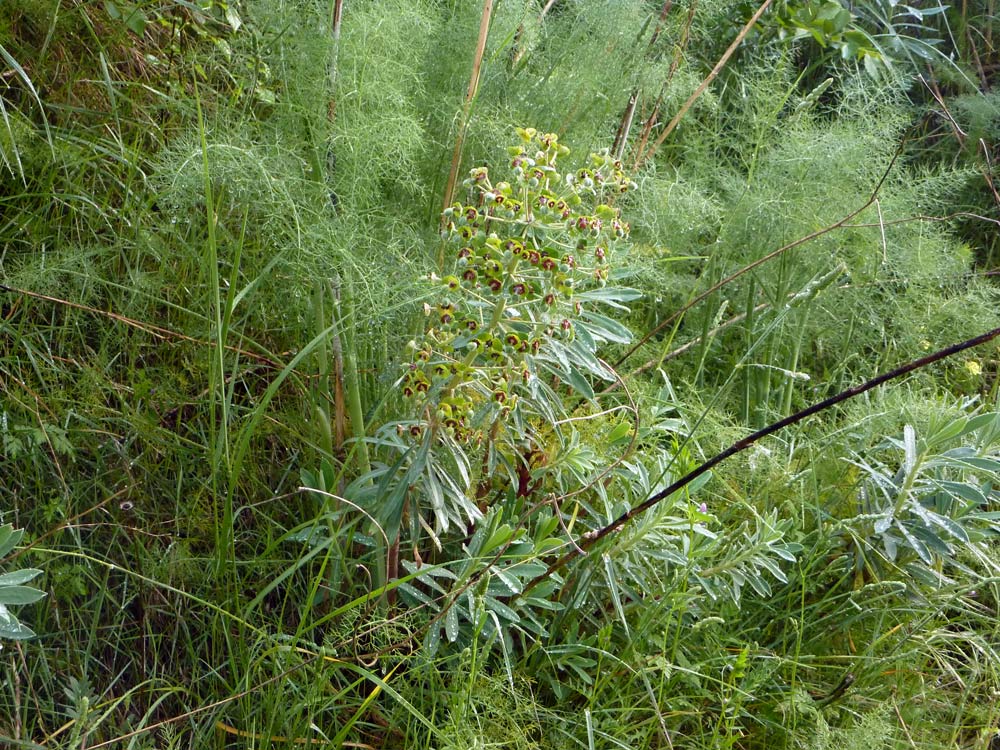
(352, 383)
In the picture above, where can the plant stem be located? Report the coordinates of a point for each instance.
(352, 383)
(336, 16)
(470, 97)
(641, 157)
(590, 539)
(621, 137)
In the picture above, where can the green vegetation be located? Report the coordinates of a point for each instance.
(339, 340)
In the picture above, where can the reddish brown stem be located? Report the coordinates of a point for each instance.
(591, 538)
(621, 137)
(654, 116)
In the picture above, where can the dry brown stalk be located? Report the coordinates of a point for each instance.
(671, 126)
(760, 261)
(470, 97)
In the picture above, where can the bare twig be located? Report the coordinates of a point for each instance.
(664, 10)
(906, 731)
(589, 539)
(694, 342)
(336, 17)
(470, 97)
(681, 46)
(621, 137)
(923, 217)
(960, 135)
(760, 261)
(641, 157)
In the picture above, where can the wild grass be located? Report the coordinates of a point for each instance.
(208, 285)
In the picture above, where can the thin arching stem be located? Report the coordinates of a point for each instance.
(591, 538)
(761, 261)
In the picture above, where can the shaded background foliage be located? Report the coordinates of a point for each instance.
(177, 178)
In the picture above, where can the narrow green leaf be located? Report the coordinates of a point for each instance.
(612, 577)
(605, 327)
(759, 584)
(19, 595)
(773, 568)
(980, 421)
(502, 610)
(432, 640)
(18, 577)
(580, 384)
(16, 631)
(9, 538)
(451, 623)
(612, 296)
(949, 525)
(965, 491)
(950, 431)
(498, 538)
(915, 544)
(620, 431)
(415, 593)
(510, 583)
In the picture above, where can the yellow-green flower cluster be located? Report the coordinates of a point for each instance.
(523, 246)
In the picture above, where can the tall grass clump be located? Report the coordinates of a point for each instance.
(264, 518)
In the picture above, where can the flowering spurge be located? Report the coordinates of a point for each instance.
(511, 324)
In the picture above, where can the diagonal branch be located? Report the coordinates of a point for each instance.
(591, 538)
(760, 261)
(641, 157)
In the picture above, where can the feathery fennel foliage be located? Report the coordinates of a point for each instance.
(160, 411)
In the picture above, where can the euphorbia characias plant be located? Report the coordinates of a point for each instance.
(511, 322)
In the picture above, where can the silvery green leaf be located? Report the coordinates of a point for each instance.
(915, 544)
(502, 610)
(19, 595)
(964, 490)
(580, 384)
(611, 296)
(432, 640)
(416, 594)
(512, 585)
(9, 538)
(889, 545)
(909, 449)
(759, 584)
(953, 429)
(773, 569)
(15, 631)
(451, 623)
(604, 327)
(18, 577)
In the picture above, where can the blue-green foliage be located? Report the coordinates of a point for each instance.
(13, 591)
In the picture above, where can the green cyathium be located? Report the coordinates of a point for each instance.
(512, 322)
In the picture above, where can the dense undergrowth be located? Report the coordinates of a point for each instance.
(292, 474)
